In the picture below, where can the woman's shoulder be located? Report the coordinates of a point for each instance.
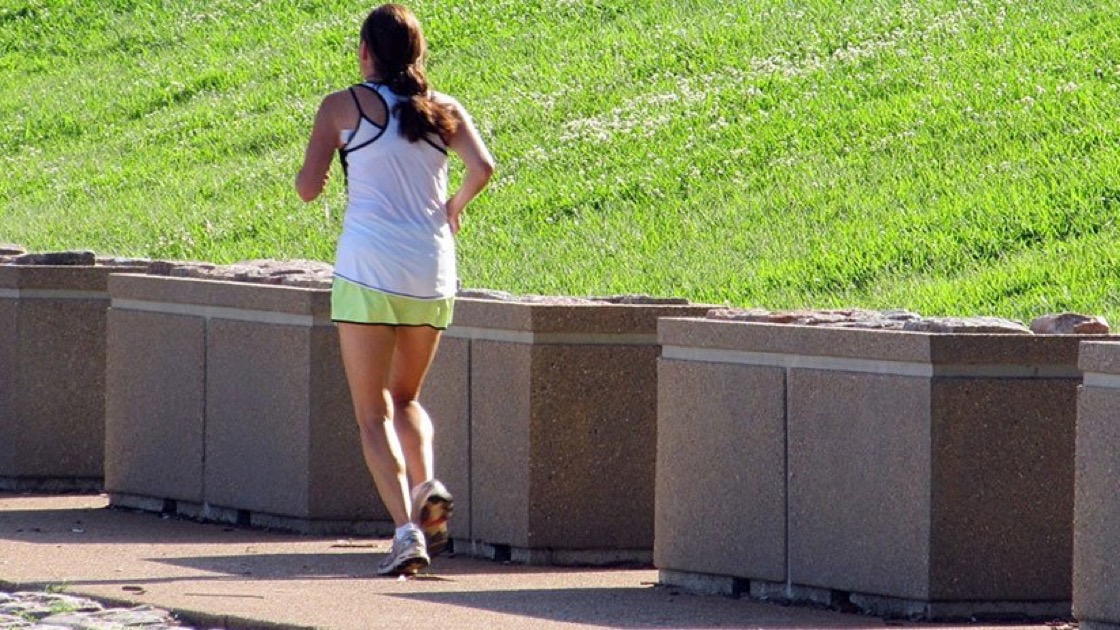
(336, 100)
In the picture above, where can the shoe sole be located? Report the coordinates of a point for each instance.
(408, 566)
(433, 522)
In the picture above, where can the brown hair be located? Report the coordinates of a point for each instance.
(394, 38)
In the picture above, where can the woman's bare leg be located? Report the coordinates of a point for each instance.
(367, 355)
(415, 349)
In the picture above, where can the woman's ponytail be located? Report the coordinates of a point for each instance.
(396, 41)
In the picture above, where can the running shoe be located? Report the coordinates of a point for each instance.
(408, 555)
(431, 507)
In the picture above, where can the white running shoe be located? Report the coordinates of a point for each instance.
(432, 506)
(408, 556)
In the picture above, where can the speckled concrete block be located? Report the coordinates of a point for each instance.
(721, 485)
(927, 474)
(155, 404)
(446, 397)
(52, 376)
(1096, 548)
(262, 413)
(562, 427)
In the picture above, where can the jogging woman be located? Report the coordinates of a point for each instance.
(395, 277)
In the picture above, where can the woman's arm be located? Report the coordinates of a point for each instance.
(468, 145)
(313, 176)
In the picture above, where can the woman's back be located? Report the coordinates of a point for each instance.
(395, 233)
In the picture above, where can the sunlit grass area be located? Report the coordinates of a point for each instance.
(948, 157)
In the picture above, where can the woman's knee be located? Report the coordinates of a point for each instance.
(375, 416)
(403, 399)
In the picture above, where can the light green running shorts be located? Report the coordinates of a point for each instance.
(355, 304)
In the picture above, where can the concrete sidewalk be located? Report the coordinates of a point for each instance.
(218, 576)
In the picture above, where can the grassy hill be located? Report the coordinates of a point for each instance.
(949, 157)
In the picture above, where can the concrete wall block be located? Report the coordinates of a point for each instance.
(52, 371)
(721, 471)
(257, 417)
(270, 401)
(1096, 550)
(859, 482)
(9, 362)
(446, 397)
(1002, 489)
(593, 431)
(61, 385)
(155, 405)
(501, 412)
(562, 425)
(929, 469)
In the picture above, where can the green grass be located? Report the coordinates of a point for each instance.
(948, 157)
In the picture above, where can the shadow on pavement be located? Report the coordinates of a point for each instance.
(285, 566)
(646, 607)
(97, 525)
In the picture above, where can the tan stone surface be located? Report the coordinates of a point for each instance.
(219, 576)
(1096, 529)
(54, 372)
(1099, 356)
(721, 476)
(567, 316)
(954, 349)
(9, 386)
(446, 397)
(501, 445)
(859, 497)
(594, 445)
(951, 483)
(792, 339)
(155, 405)
(312, 302)
(280, 437)
(1002, 489)
(340, 485)
(257, 417)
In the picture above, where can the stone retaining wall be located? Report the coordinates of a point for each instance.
(227, 400)
(906, 473)
(904, 465)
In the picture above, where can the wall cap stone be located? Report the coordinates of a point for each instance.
(870, 344)
(219, 298)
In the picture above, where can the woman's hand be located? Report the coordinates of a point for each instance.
(455, 207)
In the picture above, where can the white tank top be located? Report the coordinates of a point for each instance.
(395, 236)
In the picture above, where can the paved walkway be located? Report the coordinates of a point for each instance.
(216, 576)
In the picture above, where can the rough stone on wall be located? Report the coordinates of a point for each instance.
(141, 264)
(486, 294)
(175, 268)
(1069, 324)
(559, 300)
(72, 258)
(642, 300)
(985, 325)
(897, 319)
(836, 318)
(296, 273)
